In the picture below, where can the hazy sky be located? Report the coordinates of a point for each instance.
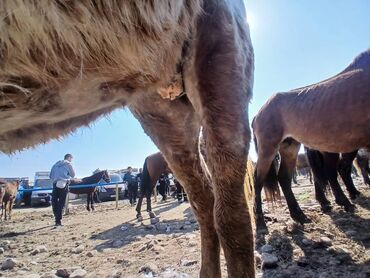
(296, 43)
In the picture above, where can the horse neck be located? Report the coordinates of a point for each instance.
(93, 179)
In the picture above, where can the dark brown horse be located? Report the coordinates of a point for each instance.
(90, 191)
(154, 166)
(179, 66)
(330, 116)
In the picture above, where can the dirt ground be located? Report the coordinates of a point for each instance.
(111, 243)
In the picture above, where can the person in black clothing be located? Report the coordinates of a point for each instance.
(163, 184)
(61, 175)
(132, 185)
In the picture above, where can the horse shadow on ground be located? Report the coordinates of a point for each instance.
(308, 260)
(15, 234)
(132, 231)
(362, 201)
(353, 225)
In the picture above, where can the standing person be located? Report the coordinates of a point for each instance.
(132, 185)
(61, 174)
(162, 189)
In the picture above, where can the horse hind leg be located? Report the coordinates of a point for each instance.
(172, 127)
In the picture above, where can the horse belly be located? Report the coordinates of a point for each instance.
(66, 69)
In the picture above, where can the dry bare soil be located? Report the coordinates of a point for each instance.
(111, 243)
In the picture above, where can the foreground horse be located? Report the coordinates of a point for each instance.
(331, 116)
(177, 65)
(90, 191)
(8, 192)
(154, 166)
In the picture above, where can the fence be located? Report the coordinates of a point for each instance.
(78, 187)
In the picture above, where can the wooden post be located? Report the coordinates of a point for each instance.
(117, 196)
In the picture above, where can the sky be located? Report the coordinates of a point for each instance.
(296, 43)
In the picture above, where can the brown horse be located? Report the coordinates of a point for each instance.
(90, 191)
(177, 65)
(310, 115)
(7, 196)
(154, 166)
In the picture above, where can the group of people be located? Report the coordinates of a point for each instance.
(62, 173)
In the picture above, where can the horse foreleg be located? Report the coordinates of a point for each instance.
(316, 163)
(88, 201)
(92, 201)
(345, 169)
(288, 152)
(149, 202)
(5, 210)
(11, 202)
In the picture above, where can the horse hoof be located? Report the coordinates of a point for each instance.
(326, 208)
(139, 217)
(152, 214)
(301, 219)
(350, 208)
(354, 195)
(261, 226)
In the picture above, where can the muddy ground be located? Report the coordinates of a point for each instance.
(111, 243)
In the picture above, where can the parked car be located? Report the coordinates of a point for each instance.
(42, 196)
(23, 197)
(108, 192)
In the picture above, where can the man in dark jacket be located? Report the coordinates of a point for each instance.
(163, 185)
(132, 185)
(61, 174)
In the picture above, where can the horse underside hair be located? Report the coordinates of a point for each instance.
(65, 64)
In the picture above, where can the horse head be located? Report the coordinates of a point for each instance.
(105, 176)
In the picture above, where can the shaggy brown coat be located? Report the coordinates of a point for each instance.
(331, 116)
(66, 63)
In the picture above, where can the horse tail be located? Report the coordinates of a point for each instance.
(145, 181)
(271, 185)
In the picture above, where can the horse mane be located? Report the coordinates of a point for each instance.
(361, 61)
(93, 178)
